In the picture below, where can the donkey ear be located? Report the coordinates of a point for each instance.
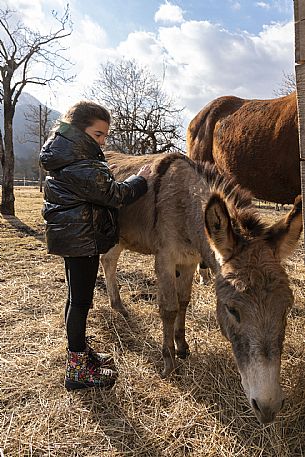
(219, 228)
(283, 236)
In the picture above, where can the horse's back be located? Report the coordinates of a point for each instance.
(256, 141)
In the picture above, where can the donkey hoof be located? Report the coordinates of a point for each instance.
(164, 374)
(120, 308)
(183, 354)
(167, 372)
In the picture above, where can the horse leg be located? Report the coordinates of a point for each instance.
(109, 262)
(168, 308)
(184, 289)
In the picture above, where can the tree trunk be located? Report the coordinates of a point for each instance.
(8, 199)
(1, 149)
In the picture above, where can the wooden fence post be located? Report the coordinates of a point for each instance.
(40, 146)
(299, 22)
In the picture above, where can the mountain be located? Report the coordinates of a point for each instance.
(26, 143)
(23, 141)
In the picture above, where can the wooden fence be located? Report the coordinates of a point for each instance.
(299, 22)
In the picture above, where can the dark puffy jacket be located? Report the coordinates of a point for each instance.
(81, 195)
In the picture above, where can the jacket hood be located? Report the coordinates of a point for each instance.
(67, 145)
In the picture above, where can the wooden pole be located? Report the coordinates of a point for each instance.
(40, 146)
(299, 21)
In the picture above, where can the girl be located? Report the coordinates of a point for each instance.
(80, 210)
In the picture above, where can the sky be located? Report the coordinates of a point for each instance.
(199, 49)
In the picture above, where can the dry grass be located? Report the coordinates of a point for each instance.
(203, 412)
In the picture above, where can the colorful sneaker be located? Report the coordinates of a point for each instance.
(81, 374)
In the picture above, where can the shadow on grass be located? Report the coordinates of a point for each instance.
(130, 334)
(24, 229)
(124, 431)
(135, 278)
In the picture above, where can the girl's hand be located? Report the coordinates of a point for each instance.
(144, 171)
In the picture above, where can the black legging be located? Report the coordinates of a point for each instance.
(81, 273)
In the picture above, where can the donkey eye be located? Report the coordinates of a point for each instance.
(234, 312)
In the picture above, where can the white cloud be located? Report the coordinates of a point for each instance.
(144, 47)
(282, 5)
(86, 48)
(37, 15)
(204, 61)
(236, 6)
(169, 13)
(263, 5)
(201, 60)
(34, 13)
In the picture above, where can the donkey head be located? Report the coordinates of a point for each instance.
(253, 294)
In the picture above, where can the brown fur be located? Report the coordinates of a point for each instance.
(256, 141)
(188, 212)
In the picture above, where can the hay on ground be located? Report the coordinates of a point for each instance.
(201, 412)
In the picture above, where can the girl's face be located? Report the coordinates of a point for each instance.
(98, 131)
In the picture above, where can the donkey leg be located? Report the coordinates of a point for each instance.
(109, 262)
(184, 289)
(168, 307)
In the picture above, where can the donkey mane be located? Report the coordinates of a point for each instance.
(245, 219)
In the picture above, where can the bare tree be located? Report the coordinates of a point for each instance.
(39, 120)
(287, 86)
(38, 123)
(144, 118)
(20, 47)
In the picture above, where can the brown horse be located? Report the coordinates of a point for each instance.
(255, 141)
(189, 212)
